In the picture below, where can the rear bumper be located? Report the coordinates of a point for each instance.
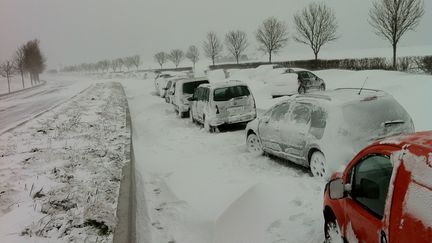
(245, 117)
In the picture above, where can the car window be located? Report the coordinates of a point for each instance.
(280, 112)
(227, 93)
(370, 183)
(189, 87)
(301, 113)
(197, 93)
(318, 121)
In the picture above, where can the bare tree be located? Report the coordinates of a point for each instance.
(120, 63)
(236, 43)
(272, 36)
(316, 25)
(128, 62)
(176, 56)
(136, 61)
(114, 65)
(193, 54)
(7, 70)
(161, 58)
(212, 46)
(105, 64)
(391, 19)
(19, 61)
(34, 60)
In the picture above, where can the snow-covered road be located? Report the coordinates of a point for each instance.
(21, 106)
(193, 186)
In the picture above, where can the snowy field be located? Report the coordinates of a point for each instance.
(201, 187)
(60, 173)
(196, 187)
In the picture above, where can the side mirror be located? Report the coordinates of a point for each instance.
(164, 88)
(336, 189)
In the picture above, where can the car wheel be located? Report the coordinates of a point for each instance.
(322, 87)
(332, 232)
(208, 127)
(318, 165)
(302, 90)
(253, 144)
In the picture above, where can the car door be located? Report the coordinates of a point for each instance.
(313, 79)
(294, 132)
(194, 103)
(364, 207)
(269, 127)
(202, 103)
(305, 79)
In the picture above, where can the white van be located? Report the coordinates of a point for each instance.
(222, 103)
(184, 89)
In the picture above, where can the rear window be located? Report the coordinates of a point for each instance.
(189, 88)
(227, 93)
(375, 115)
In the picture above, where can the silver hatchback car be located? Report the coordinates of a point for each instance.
(222, 103)
(324, 131)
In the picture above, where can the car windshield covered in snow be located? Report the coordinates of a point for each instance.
(189, 88)
(383, 115)
(227, 93)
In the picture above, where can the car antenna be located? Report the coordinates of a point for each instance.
(363, 85)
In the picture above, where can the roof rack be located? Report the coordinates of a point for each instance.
(376, 90)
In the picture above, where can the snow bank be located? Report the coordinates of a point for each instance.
(60, 173)
(273, 212)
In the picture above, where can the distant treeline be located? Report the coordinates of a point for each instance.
(423, 63)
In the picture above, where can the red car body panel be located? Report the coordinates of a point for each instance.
(397, 224)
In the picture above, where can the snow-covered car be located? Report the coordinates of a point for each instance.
(222, 103)
(169, 89)
(184, 89)
(159, 80)
(384, 194)
(297, 81)
(323, 131)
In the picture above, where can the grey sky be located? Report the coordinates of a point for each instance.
(75, 31)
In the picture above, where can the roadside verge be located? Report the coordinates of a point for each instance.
(61, 173)
(43, 82)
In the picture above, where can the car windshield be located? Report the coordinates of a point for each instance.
(227, 93)
(189, 88)
(375, 115)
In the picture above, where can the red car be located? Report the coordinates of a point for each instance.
(384, 194)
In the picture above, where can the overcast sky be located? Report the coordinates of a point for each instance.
(75, 31)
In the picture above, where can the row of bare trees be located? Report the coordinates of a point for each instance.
(115, 65)
(315, 26)
(28, 59)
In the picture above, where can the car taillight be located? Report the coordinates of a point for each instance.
(217, 109)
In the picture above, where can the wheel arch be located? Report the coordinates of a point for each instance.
(312, 150)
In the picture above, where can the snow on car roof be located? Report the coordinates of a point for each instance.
(345, 95)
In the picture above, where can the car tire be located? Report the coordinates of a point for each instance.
(322, 87)
(301, 89)
(332, 230)
(318, 165)
(254, 144)
(208, 127)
